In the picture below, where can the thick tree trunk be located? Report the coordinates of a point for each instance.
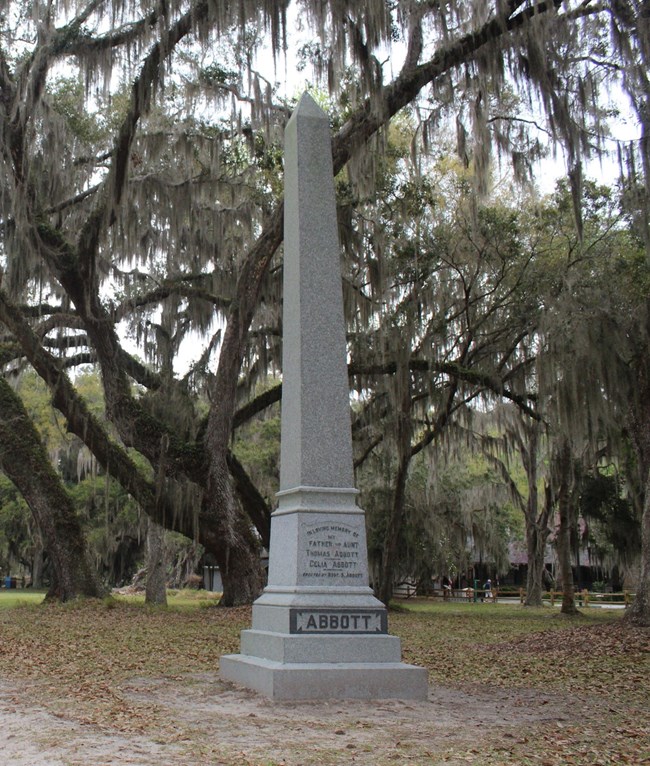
(536, 547)
(639, 612)
(255, 506)
(233, 541)
(38, 561)
(390, 546)
(639, 422)
(396, 513)
(563, 541)
(241, 576)
(156, 588)
(25, 461)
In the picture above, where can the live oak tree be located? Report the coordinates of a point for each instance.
(156, 587)
(156, 202)
(457, 518)
(588, 344)
(451, 339)
(594, 347)
(566, 305)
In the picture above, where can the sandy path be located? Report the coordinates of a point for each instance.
(35, 737)
(215, 723)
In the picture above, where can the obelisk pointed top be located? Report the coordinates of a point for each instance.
(307, 107)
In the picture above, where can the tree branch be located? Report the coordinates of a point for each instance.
(366, 121)
(80, 420)
(456, 371)
(106, 210)
(163, 291)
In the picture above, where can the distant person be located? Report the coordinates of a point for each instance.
(488, 589)
(446, 587)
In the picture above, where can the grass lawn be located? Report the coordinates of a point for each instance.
(13, 598)
(82, 663)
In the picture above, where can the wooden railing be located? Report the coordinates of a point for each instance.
(465, 595)
(472, 596)
(586, 598)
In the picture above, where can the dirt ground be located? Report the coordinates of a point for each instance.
(211, 722)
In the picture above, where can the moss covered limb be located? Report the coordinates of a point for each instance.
(24, 459)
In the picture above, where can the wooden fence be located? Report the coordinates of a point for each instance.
(465, 595)
(477, 595)
(588, 598)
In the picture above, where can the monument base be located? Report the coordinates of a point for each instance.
(318, 631)
(326, 680)
(323, 666)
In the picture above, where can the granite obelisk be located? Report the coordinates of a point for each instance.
(318, 632)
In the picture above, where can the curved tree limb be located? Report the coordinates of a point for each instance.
(81, 422)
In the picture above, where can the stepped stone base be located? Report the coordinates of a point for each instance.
(326, 680)
(321, 649)
(303, 666)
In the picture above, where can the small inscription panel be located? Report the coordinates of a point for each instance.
(338, 621)
(333, 551)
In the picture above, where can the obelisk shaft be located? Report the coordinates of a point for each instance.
(316, 448)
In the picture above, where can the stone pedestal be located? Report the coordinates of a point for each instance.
(318, 632)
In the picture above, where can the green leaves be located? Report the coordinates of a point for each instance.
(69, 101)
